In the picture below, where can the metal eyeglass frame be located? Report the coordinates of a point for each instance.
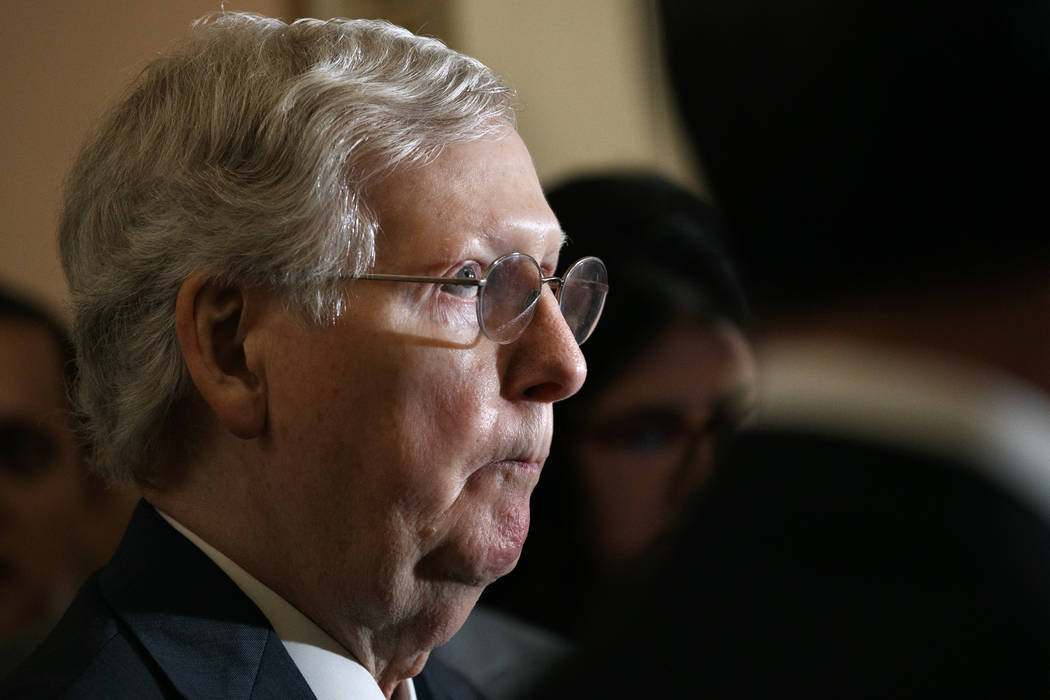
(557, 284)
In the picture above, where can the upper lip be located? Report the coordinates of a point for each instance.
(526, 448)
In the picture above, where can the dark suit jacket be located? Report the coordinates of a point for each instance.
(818, 566)
(163, 621)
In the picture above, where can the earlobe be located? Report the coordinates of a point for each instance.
(213, 322)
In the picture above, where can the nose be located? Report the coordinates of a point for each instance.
(545, 364)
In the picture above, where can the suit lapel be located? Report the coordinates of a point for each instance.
(205, 635)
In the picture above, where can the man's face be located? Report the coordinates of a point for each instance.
(406, 443)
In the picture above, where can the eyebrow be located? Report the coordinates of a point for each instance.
(490, 234)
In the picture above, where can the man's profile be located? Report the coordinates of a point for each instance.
(313, 277)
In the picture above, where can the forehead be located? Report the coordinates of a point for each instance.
(689, 364)
(480, 199)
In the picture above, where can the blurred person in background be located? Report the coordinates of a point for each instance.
(670, 376)
(882, 528)
(58, 523)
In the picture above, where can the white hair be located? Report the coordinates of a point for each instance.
(246, 152)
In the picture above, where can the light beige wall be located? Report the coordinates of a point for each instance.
(589, 79)
(589, 75)
(60, 63)
(587, 72)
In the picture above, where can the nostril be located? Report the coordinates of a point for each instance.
(548, 392)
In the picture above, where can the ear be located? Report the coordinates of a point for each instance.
(213, 322)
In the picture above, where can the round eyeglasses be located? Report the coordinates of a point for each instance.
(508, 292)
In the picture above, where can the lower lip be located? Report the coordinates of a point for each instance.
(513, 513)
(513, 528)
(498, 524)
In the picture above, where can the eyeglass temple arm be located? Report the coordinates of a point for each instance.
(557, 282)
(411, 278)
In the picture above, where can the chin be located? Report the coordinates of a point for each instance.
(501, 562)
(481, 547)
(457, 615)
(463, 572)
(467, 566)
(446, 608)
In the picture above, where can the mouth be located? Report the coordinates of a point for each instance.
(487, 540)
(508, 485)
(507, 481)
(523, 449)
(513, 467)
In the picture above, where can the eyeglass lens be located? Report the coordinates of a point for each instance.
(513, 285)
(508, 299)
(583, 296)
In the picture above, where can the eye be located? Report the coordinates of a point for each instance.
(470, 271)
(647, 432)
(650, 432)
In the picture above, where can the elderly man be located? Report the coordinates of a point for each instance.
(312, 272)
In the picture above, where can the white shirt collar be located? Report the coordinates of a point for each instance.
(329, 669)
(976, 415)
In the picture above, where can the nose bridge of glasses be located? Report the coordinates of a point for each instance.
(556, 284)
(532, 310)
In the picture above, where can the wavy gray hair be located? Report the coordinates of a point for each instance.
(245, 152)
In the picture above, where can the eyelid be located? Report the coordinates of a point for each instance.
(463, 290)
(451, 271)
(479, 269)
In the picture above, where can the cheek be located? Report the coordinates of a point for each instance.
(420, 420)
(463, 408)
(445, 420)
(627, 503)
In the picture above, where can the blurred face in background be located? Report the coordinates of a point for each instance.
(650, 436)
(44, 493)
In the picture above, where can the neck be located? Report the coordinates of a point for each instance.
(230, 517)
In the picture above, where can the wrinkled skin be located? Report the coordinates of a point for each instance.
(392, 478)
